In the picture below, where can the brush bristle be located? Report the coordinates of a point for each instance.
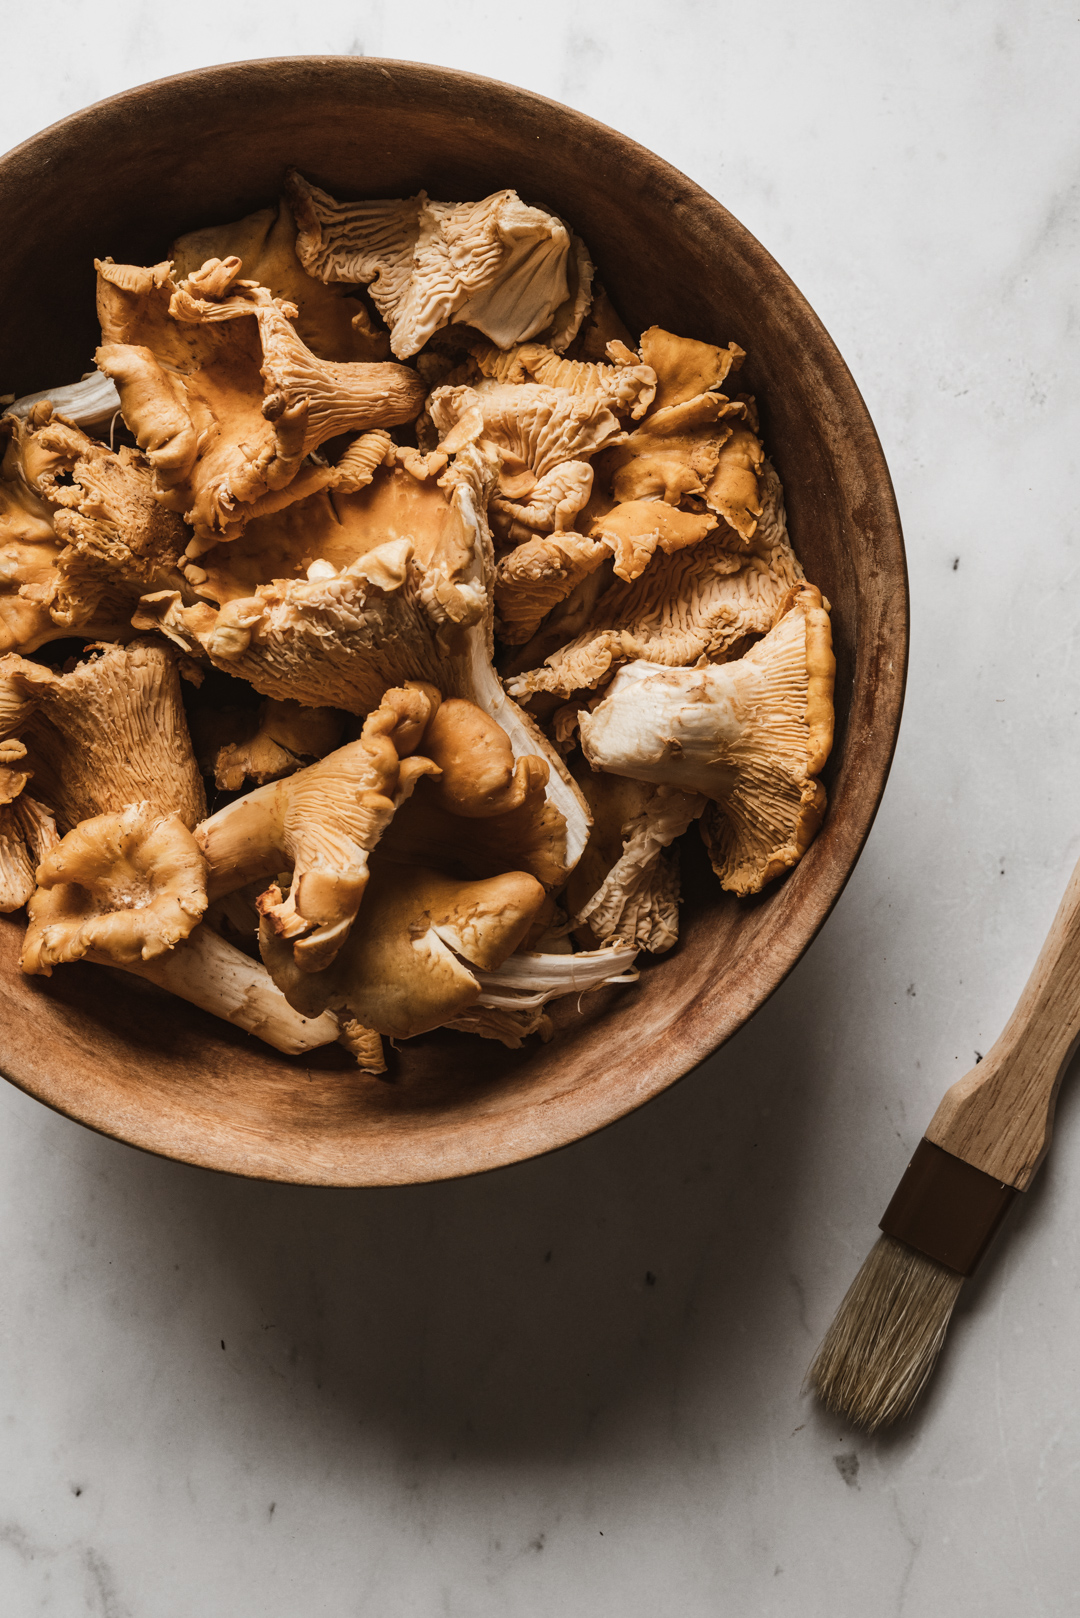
(881, 1348)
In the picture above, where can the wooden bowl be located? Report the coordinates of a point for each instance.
(127, 176)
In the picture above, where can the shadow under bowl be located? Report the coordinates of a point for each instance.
(124, 178)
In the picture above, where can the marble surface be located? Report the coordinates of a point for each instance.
(573, 1387)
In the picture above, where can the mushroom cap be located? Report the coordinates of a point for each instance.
(405, 968)
(223, 394)
(701, 601)
(532, 428)
(119, 541)
(324, 822)
(409, 600)
(496, 265)
(110, 732)
(537, 575)
(339, 528)
(734, 490)
(752, 735)
(75, 555)
(636, 528)
(123, 887)
(333, 325)
(479, 776)
(487, 811)
(625, 386)
(409, 609)
(551, 506)
(685, 367)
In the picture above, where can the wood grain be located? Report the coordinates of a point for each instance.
(125, 177)
(1000, 1116)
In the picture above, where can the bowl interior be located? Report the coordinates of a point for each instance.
(122, 180)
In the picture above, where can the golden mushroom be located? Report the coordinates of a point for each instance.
(751, 735)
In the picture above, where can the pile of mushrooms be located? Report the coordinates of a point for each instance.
(374, 526)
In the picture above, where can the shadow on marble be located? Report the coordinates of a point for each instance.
(581, 1299)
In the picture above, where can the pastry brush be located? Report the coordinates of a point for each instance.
(984, 1145)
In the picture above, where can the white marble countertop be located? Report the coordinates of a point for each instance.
(573, 1387)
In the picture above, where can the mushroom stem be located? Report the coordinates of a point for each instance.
(531, 980)
(89, 403)
(211, 974)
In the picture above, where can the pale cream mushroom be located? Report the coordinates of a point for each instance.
(497, 265)
(752, 735)
(528, 979)
(91, 403)
(512, 997)
(626, 887)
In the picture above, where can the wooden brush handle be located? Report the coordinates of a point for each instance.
(999, 1117)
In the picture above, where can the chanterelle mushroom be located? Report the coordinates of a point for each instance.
(111, 540)
(496, 265)
(323, 823)
(535, 577)
(486, 812)
(409, 963)
(76, 554)
(120, 887)
(752, 735)
(623, 383)
(543, 438)
(414, 604)
(27, 830)
(626, 887)
(222, 393)
(702, 601)
(334, 325)
(237, 745)
(27, 835)
(110, 732)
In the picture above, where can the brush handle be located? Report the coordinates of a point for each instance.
(999, 1117)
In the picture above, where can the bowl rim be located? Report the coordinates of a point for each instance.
(562, 1126)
